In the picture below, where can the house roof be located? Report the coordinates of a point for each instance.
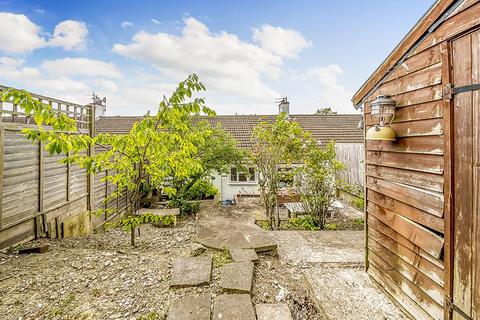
(343, 128)
(426, 25)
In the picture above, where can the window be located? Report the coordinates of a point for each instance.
(241, 176)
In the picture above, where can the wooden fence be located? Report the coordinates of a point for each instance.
(38, 193)
(353, 156)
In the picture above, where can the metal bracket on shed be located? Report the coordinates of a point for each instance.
(452, 307)
(467, 88)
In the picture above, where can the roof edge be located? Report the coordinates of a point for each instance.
(410, 39)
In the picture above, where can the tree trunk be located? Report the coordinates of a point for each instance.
(132, 237)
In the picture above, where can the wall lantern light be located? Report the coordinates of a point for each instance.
(383, 109)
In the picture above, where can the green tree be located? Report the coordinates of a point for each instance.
(218, 152)
(319, 181)
(159, 146)
(277, 144)
(325, 111)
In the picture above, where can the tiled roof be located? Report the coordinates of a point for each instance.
(343, 128)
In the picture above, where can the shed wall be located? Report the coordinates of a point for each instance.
(407, 180)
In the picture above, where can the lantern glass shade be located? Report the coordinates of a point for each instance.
(383, 105)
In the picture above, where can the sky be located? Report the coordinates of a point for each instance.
(248, 53)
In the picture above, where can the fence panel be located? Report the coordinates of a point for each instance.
(353, 156)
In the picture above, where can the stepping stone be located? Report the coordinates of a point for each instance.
(261, 242)
(237, 277)
(239, 255)
(233, 307)
(266, 311)
(192, 271)
(190, 307)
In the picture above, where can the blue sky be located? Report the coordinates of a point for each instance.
(318, 53)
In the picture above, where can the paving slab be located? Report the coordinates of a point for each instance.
(191, 271)
(239, 255)
(224, 236)
(237, 277)
(233, 307)
(192, 307)
(349, 294)
(267, 311)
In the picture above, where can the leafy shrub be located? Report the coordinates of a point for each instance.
(303, 223)
(187, 207)
(201, 189)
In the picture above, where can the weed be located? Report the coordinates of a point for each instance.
(359, 221)
(303, 223)
(331, 226)
(358, 203)
(220, 258)
(264, 224)
(149, 316)
(58, 311)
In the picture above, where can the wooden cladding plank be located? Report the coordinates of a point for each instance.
(423, 282)
(430, 127)
(409, 304)
(417, 179)
(422, 199)
(425, 145)
(463, 171)
(417, 62)
(383, 242)
(417, 97)
(407, 211)
(423, 78)
(476, 175)
(411, 289)
(453, 26)
(407, 161)
(388, 231)
(424, 111)
(422, 237)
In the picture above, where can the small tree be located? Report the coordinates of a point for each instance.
(276, 144)
(319, 181)
(325, 111)
(218, 152)
(158, 147)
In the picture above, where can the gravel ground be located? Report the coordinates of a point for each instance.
(102, 277)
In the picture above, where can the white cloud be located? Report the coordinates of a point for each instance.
(81, 67)
(126, 24)
(283, 42)
(226, 64)
(20, 35)
(155, 21)
(324, 88)
(70, 35)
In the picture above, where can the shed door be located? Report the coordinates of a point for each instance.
(466, 171)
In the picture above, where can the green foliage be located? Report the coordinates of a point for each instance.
(331, 226)
(187, 207)
(157, 149)
(303, 223)
(265, 225)
(359, 221)
(131, 222)
(201, 189)
(276, 144)
(319, 181)
(325, 111)
(358, 203)
(150, 316)
(220, 258)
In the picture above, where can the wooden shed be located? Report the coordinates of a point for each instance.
(422, 190)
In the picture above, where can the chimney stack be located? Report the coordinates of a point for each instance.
(284, 106)
(100, 106)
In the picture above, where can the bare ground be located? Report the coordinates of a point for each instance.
(102, 277)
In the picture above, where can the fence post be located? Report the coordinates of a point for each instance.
(2, 141)
(90, 177)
